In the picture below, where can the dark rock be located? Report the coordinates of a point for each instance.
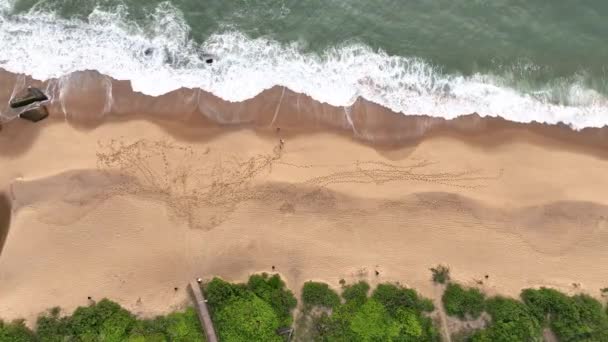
(35, 114)
(27, 97)
(209, 60)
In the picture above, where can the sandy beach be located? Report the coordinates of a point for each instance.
(130, 208)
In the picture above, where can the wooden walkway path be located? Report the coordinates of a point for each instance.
(203, 312)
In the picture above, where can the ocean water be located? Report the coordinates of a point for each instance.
(534, 60)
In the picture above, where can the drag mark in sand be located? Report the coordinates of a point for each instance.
(205, 187)
(187, 180)
(380, 173)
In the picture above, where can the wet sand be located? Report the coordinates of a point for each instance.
(128, 205)
(5, 218)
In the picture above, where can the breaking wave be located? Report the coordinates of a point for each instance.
(158, 56)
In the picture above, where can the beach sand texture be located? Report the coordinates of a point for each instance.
(128, 208)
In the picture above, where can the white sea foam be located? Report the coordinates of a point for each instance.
(160, 57)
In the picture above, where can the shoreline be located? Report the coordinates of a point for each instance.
(87, 99)
(522, 202)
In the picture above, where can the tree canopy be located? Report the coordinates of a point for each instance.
(464, 303)
(252, 311)
(319, 294)
(391, 313)
(105, 321)
(571, 318)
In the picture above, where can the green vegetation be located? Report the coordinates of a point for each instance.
(252, 311)
(441, 274)
(571, 318)
(576, 318)
(247, 318)
(273, 291)
(105, 321)
(463, 303)
(395, 298)
(392, 313)
(355, 294)
(319, 294)
(256, 310)
(15, 331)
(511, 321)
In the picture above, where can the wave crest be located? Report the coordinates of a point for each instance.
(158, 57)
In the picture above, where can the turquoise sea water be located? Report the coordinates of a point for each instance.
(535, 57)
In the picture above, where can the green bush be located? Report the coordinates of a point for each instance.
(220, 292)
(512, 321)
(247, 319)
(576, 318)
(392, 313)
(395, 297)
(107, 321)
(15, 331)
(356, 294)
(273, 291)
(319, 294)
(251, 312)
(441, 274)
(182, 326)
(463, 303)
(50, 327)
(373, 323)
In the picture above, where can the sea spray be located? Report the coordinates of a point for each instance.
(158, 56)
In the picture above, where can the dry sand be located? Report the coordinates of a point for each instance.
(129, 210)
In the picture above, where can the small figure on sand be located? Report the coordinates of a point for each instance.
(281, 143)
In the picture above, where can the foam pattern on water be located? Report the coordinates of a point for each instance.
(160, 57)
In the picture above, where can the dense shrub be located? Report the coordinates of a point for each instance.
(441, 274)
(464, 303)
(107, 321)
(319, 294)
(511, 321)
(392, 313)
(51, 327)
(220, 292)
(372, 323)
(246, 319)
(251, 312)
(576, 318)
(15, 331)
(273, 291)
(356, 294)
(395, 297)
(571, 318)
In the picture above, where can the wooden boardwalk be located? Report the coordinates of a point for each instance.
(203, 311)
